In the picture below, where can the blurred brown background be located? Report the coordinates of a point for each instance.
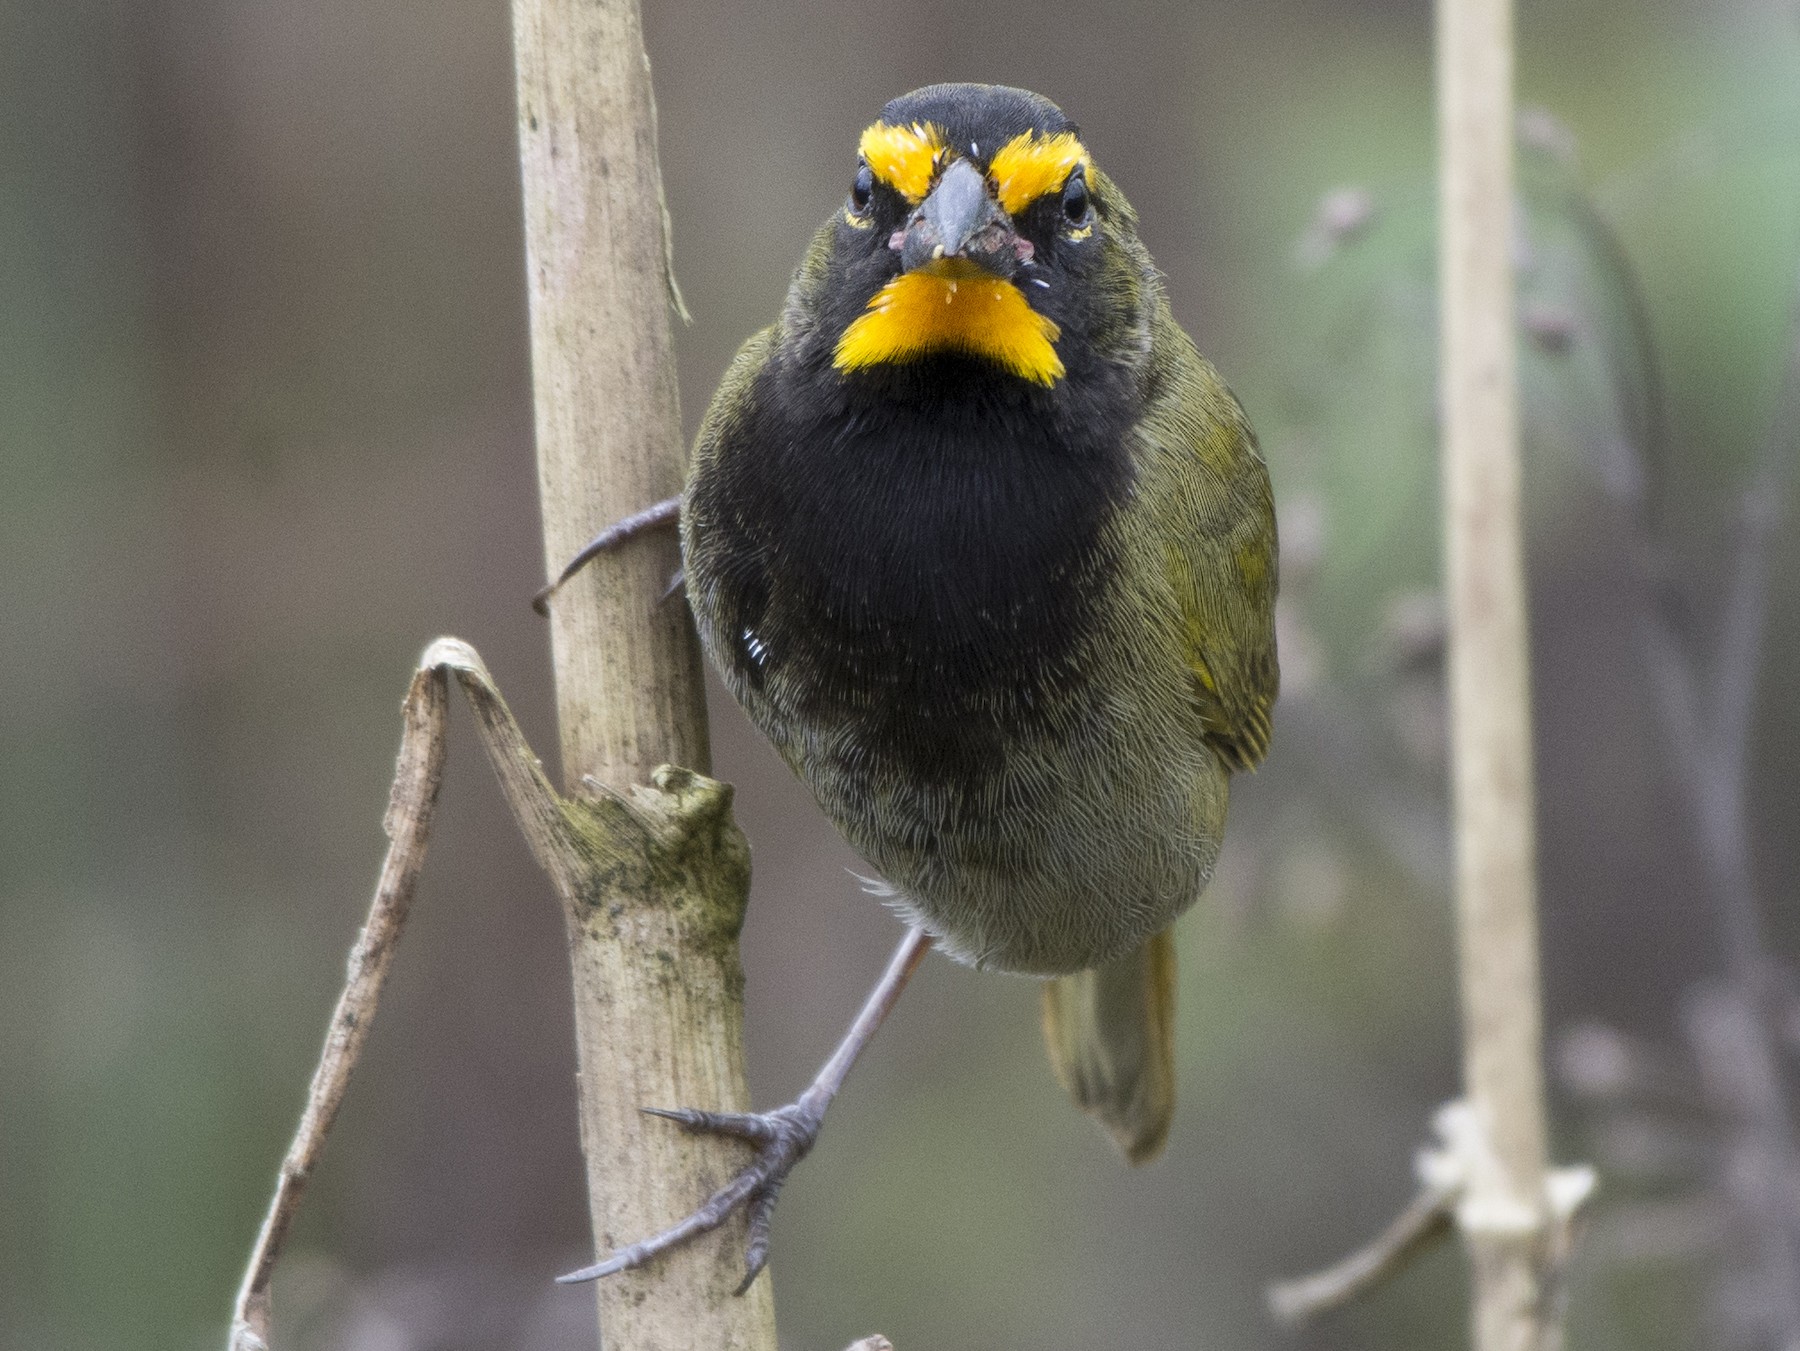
(265, 431)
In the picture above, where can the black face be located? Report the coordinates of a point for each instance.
(1052, 247)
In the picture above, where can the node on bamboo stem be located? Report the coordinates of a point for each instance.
(662, 870)
(672, 844)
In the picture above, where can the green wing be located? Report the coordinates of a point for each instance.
(1216, 514)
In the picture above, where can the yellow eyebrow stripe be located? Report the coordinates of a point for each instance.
(1026, 168)
(905, 158)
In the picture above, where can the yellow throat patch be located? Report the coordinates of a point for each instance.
(953, 306)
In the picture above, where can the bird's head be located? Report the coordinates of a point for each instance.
(977, 225)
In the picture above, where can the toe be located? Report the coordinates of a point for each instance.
(761, 1216)
(750, 1126)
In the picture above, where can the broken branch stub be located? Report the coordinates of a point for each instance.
(654, 884)
(671, 845)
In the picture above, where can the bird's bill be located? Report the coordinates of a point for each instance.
(960, 222)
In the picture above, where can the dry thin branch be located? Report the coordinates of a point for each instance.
(1456, 1192)
(408, 825)
(629, 687)
(1420, 1226)
(658, 876)
(1735, 1032)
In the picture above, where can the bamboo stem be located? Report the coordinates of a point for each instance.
(1503, 1211)
(1490, 1170)
(658, 1010)
(628, 672)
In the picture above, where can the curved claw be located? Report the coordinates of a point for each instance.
(783, 1137)
(762, 1220)
(751, 1126)
(712, 1213)
(666, 512)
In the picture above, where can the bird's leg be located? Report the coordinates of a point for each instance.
(665, 512)
(782, 1137)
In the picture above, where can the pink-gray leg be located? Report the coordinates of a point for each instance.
(782, 1137)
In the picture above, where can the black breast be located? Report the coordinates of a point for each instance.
(913, 553)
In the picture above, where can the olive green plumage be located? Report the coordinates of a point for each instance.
(1014, 635)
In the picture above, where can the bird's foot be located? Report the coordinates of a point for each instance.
(666, 512)
(782, 1138)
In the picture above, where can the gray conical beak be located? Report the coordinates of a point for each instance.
(959, 219)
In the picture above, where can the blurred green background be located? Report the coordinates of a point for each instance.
(265, 430)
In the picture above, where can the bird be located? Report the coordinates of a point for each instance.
(987, 550)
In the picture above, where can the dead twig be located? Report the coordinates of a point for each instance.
(1709, 741)
(663, 867)
(1495, 1140)
(1456, 1194)
(408, 825)
(1428, 1219)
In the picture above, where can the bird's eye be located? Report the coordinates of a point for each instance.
(862, 190)
(1075, 198)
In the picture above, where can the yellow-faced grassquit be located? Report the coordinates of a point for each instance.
(984, 546)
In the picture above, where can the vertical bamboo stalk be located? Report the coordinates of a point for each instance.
(1503, 1212)
(628, 674)
(658, 995)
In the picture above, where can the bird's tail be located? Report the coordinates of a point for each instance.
(1111, 1033)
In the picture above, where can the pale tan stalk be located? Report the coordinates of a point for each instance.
(1503, 1209)
(1489, 1177)
(658, 989)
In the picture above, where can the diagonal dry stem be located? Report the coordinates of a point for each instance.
(408, 824)
(663, 868)
(1429, 1218)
